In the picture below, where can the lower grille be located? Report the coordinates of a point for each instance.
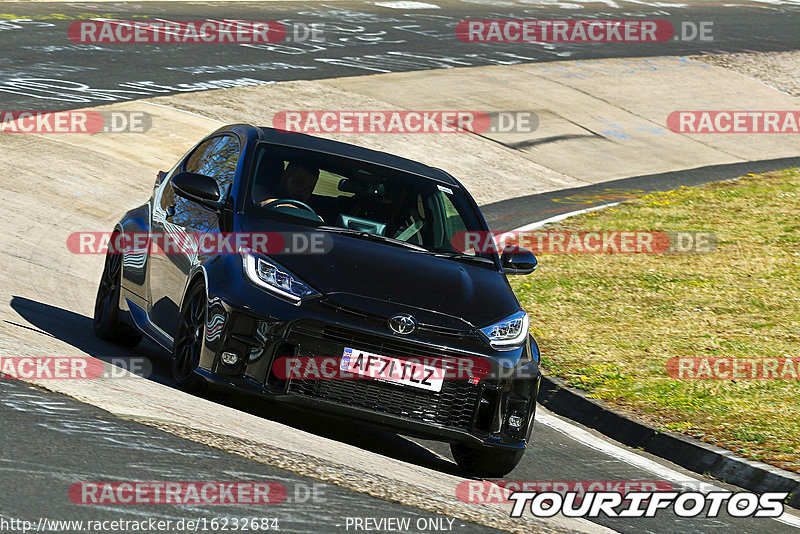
(452, 407)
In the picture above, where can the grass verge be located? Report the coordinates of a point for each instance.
(609, 323)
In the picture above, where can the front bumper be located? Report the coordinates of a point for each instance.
(473, 413)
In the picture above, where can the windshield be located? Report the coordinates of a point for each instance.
(360, 199)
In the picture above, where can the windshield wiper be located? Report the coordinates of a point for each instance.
(392, 241)
(463, 257)
(371, 236)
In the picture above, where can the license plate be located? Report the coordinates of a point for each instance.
(393, 370)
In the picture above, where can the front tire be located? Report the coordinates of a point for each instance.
(189, 340)
(485, 462)
(107, 325)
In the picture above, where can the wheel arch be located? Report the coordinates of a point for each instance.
(197, 276)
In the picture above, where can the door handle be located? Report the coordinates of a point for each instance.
(170, 211)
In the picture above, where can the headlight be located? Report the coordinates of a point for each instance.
(509, 332)
(267, 274)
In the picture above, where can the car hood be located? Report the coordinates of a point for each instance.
(384, 280)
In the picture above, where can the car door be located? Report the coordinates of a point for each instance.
(176, 223)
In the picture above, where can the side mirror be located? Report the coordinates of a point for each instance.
(197, 187)
(517, 260)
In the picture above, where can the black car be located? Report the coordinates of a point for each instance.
(386, 283)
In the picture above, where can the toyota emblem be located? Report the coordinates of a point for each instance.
(402, 324)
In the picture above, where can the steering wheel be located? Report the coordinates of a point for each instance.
(295, 203)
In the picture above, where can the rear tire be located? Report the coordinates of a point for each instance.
(107, 325)
(485, 462)
(189, 340)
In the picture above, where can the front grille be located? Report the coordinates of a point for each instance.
(452, 407)
(373, 343)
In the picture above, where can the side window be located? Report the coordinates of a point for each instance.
(217, 158)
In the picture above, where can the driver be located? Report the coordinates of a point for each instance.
(297, 182)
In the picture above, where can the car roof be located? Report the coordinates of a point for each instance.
(336, 148)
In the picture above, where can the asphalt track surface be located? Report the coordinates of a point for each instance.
(49, 441)
(56, 441)
(42, 69)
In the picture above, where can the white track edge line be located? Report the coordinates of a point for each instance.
(632, 458)
(539, 224)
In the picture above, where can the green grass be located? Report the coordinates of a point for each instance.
(608, 323)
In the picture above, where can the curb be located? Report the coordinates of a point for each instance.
(685, 451)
